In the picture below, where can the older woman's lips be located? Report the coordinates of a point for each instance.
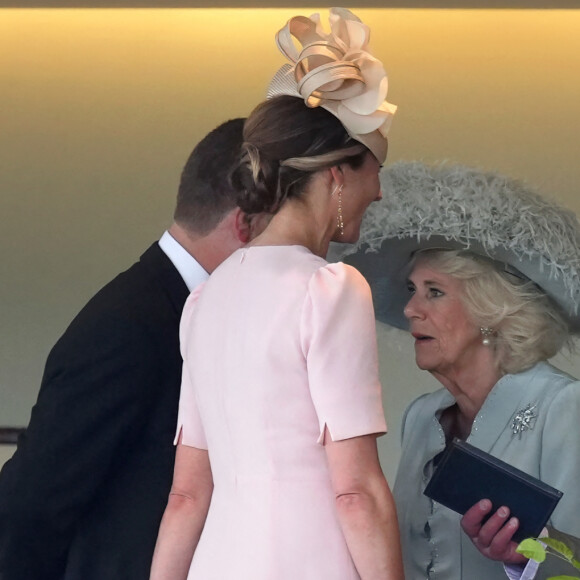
(420, 337)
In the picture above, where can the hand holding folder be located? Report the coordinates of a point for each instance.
(467, 474)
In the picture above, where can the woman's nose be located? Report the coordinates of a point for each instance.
(411, 309)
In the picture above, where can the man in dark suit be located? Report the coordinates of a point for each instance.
(493, 538)
(83, 495)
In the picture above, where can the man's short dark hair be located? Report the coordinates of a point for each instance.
(205, 193)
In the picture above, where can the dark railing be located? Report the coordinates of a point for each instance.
(9, 435)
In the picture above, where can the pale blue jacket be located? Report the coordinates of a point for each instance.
(434, 546)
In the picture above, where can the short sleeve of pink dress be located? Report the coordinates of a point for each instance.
(188, 417)
(339, 342)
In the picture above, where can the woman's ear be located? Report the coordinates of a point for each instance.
(337, 175)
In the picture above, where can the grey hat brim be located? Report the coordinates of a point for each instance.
(461, 208)
(387, 270)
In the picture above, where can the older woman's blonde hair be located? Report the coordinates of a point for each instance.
(528, 327)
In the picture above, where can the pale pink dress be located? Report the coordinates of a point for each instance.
(276, 345)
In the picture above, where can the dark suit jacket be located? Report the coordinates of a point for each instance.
(83, 496)
(553, 566)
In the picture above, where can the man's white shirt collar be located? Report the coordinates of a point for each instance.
(189, 268)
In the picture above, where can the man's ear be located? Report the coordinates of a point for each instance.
(243, 226)
(250, 226)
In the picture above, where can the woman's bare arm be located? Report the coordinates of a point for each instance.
(365, 507)
(184, 515)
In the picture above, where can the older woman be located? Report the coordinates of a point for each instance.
(485, 274)
(277, 473)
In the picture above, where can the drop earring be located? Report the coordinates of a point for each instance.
(486, 333)
(339, 220)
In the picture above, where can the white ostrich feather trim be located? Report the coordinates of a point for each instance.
(466, 205)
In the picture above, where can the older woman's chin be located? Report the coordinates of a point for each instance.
(425, 366)
(422, 362)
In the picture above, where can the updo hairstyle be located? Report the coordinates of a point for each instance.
(285, 143)
(528, 325)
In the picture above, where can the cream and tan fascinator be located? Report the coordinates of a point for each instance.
(458, 207)
(337, 72)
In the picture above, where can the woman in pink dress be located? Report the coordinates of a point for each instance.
(277, 474)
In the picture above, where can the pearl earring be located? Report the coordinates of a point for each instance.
(486, 332)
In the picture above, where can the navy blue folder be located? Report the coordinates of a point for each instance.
(466, 474)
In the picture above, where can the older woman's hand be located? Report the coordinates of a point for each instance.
(494, 537)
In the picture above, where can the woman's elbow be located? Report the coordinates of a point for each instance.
(356, 502)
(373, 499)
(180, 501)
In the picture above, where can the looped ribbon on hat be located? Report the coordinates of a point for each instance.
(337, 71)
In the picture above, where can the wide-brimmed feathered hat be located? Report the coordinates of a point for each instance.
(337, 72)
(456, 207)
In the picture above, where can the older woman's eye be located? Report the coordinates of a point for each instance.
(411, 288)
(435, 292)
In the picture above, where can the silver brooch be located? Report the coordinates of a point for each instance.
(524, 419)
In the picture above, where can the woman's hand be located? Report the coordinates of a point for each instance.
(494, 537)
